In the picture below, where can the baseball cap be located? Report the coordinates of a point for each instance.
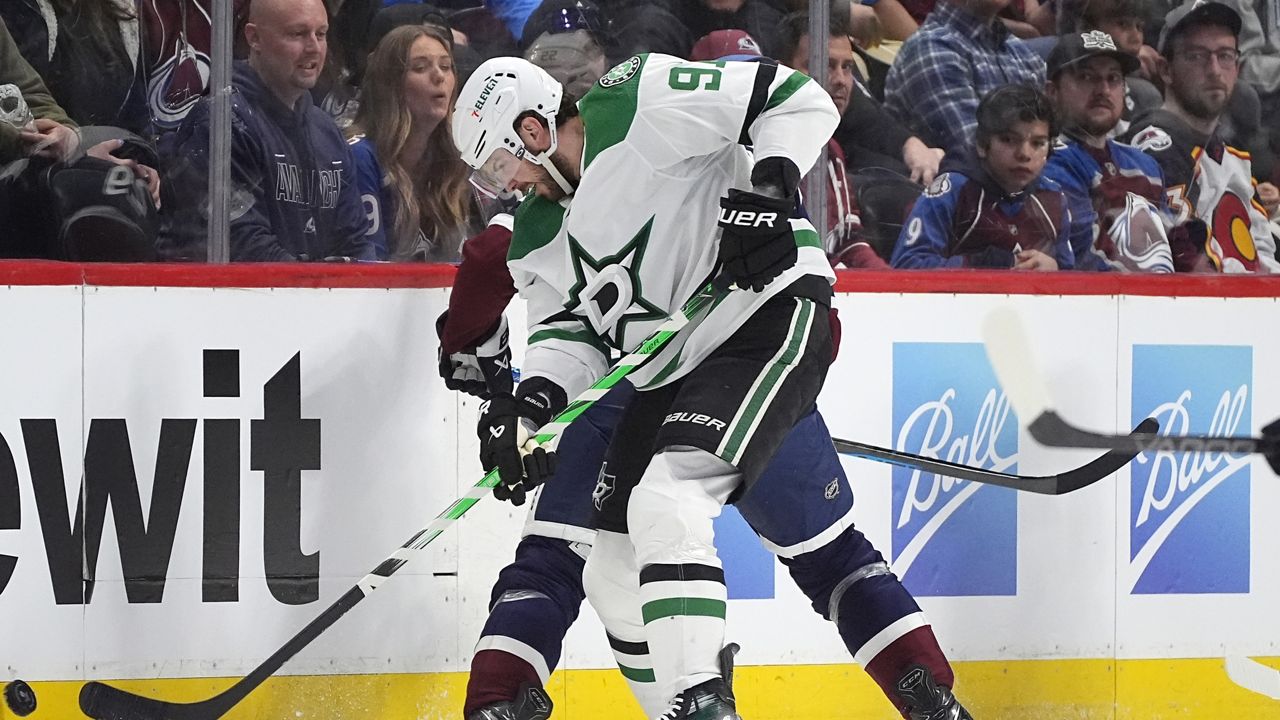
(1074, 48)
(406, 13)
(723, 43)
(1198, 10)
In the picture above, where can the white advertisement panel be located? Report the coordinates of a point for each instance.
(247, 455)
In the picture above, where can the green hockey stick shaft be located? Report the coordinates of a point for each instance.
(107, 702)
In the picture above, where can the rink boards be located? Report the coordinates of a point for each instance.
(253, 440)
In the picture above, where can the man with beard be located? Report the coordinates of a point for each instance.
(599, 269)
(1207, 180)
(1087, 84)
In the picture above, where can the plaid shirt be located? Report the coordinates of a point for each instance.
(947, 66)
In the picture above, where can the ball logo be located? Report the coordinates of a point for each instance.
(952, 537)
(1189, 512)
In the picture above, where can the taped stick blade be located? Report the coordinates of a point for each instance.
(1010, 354)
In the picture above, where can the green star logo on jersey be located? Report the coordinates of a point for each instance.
(608, 289)
(621, 72)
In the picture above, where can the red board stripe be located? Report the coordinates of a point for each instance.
(411, 275)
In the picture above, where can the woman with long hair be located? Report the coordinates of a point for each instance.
(414, 185)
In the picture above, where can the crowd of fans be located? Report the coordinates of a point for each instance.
(1122, 135)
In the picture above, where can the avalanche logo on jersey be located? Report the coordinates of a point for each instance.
(952, 537)
(1189, 512)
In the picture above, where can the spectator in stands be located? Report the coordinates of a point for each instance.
(960, 53)
(757, 17)
(67, 194)
(637, 26)
(338, 89)
(513, 13)
(87, 52)
(1260, 53)
(176, 42)
(1123, 20)
(844, 243)
(1206, 179)
(893, 18)
(992, 209)
(1241, 124)
(412, 182)
(293, 185)
(567, 38)
(868, 135)
(1086, 84)
(1016, 15)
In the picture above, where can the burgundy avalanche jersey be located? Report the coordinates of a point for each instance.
(1211, 181)
(176, 43)
(963, 220)
(1096, 182)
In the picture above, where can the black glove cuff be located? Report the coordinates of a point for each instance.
(540, 399)
(780, 172)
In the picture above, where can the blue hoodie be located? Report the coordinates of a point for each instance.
(294, 193)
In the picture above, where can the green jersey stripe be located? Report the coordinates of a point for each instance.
(586, 337)
(767, 383)
(682, 606)
(786, 90)
(644, 675)
(807, 238)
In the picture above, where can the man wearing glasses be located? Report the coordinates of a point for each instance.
(1206, 179)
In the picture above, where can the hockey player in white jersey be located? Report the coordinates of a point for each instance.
(657, 147)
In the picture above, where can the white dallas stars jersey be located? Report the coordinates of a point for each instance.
(664, 140)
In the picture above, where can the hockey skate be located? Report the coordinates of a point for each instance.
(710, 700)
(531, 703)
(926, 699)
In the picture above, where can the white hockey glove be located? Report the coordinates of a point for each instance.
(506, 430)
(483, 370)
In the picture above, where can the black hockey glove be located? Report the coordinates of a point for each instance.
(506, 430)
(483, 370)
(756, 244)
(1271, 445)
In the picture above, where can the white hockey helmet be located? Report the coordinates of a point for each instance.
(484, 119)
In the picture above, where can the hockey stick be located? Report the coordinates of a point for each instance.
(1060, 484)
(1010, 354)
(105, 702)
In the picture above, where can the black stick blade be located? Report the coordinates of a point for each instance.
(104, 702)
(1050, 429)
(1059, 484)
(1104, 466)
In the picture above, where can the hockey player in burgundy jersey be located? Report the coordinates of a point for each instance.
(1086, 84)
(993, 210)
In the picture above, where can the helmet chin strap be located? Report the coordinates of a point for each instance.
(544, 159)
(556, 175)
